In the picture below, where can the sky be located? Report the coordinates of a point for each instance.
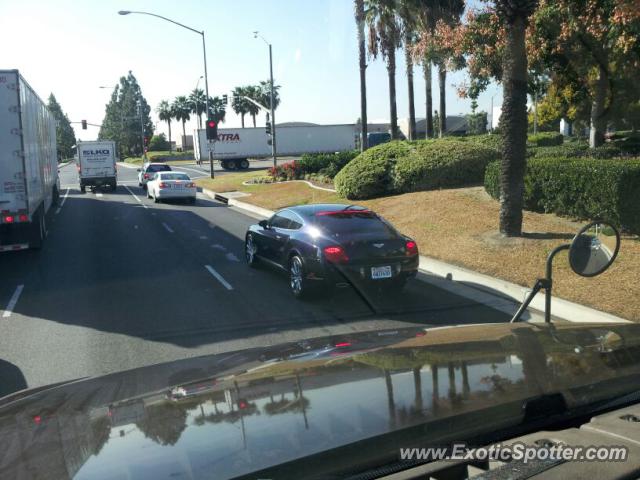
(71, 48)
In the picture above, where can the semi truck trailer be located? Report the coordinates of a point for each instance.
(235, 146)
(29, 182)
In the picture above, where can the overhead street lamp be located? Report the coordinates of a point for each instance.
(256, 34)
(204, 55)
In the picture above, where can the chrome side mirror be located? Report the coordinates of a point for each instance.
(594, 249)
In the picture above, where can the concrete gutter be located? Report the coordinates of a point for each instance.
(493, 292)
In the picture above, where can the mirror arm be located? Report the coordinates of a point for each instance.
(540, 284)
(549, 281)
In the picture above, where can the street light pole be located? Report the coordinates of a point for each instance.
(271, 96)
(144, 153)
(273, 115)
(204, 54)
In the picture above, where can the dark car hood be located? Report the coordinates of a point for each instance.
(231, 414)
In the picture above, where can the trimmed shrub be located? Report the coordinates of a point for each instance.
(158, 143)
(581, 150)
(581, 188)
(546, 139)
(493, 141)
(398, 167)
(286, 171)
(370, 173)
(441, 164)
(328, 164)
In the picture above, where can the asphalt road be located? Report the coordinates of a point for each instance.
(122, 282)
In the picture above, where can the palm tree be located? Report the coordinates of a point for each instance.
(514, 14)
(165, 114)
(384, 39)
(448, 11)
(253, 92)
(408, 18)
(424, 17)
(217, 109)
(265, 94)
(359, 16)
(239, 104)
(198, 104)
(182, 111)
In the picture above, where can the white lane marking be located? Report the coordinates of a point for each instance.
(203, 237)
(217, 246)
(135, 226)
(167, 227)
(12, 301)
(232, 258)
(99, 195)
(64, 199)
(218, 277)
(135, 196)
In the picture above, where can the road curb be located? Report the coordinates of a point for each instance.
(495, 292)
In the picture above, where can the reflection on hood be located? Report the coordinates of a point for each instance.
(236, 413)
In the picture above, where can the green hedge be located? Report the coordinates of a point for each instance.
(327, 164)
(369, 174)
(398, 167)
(580, 150)
(546, 139)
(581, 188)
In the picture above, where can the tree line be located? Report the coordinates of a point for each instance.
(183, 106)
(579, 57)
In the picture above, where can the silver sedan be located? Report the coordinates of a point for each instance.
(170, 185)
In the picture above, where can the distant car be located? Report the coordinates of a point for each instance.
(171, 185)
(148, 169)
(328, 244)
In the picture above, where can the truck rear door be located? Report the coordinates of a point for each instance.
(13, 194)
(97, 160)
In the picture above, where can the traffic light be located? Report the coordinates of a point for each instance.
(268, 128)
(212, 129)
(84, 124)
(225, 99)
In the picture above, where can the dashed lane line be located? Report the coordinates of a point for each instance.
(12, 301)
(218, 277)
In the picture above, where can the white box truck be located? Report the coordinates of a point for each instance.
(97, 164)
(29, 182)
(235, 146)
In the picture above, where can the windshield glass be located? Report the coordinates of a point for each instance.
(272, 223)
(174, 176)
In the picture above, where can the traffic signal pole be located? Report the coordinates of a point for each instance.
(206, 89)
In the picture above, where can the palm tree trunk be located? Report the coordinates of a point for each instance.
(253, 116)
(412, 106)
(359, 6)
(417, 388)
(514, 122)
(429, 101)
(242, 119)
(435, 389)
(442, 113)
(598, 121)
(184, 135)
(169, 127)
(391, 404)
(393, 111)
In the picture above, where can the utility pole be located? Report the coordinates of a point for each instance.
(144, 153)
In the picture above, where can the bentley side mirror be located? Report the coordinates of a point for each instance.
(138, 170)
(591, 252)
(264, 224)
